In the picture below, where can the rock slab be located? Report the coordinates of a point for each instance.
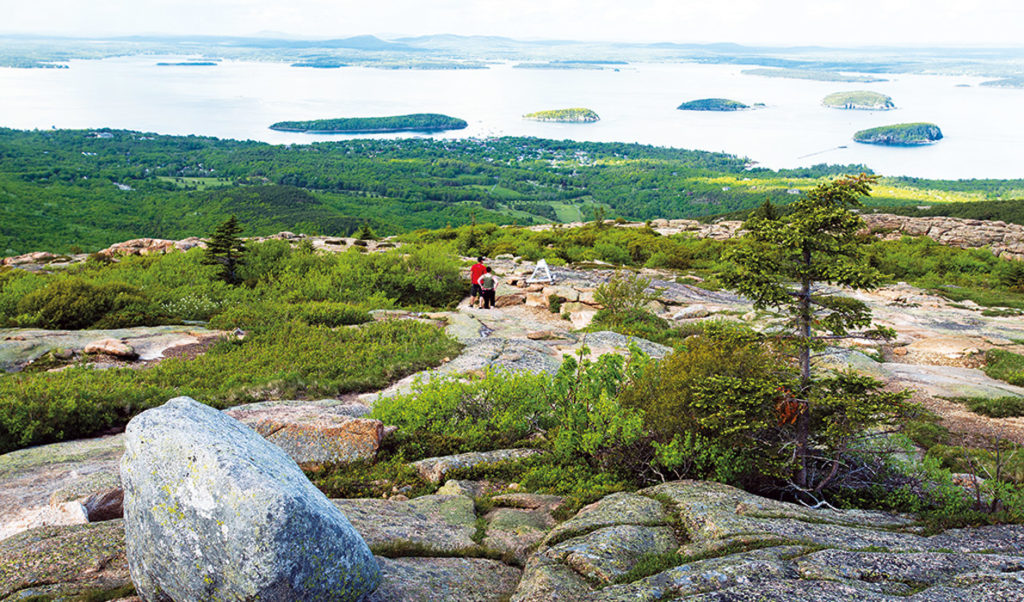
(315, 433)
(240, 520)
(435, 469)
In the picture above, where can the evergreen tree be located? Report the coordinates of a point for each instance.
(226, 250)
(782, 264)
(766, 211)
(366, 232)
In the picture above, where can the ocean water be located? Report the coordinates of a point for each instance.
(983, 127)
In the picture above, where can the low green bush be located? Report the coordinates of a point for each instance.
(449, 415)
(924, 429)
(963, 459)
(1005, 365)
(576, 410)
(326, 313)
(999, 407)
(711, 409)
(75, 303)
(635, 323)
(290, 360)
(625, 291)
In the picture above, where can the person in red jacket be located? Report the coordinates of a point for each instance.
(475, 272)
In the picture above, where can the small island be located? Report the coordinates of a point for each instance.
(188, 64)
(713, 104)
(1006, 82)
(821, 76)
(574, 115)
(900, 134)
(320, 63)
(417, 122)
(859, 100)
(560, 65)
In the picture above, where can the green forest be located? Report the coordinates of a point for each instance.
(68, 190)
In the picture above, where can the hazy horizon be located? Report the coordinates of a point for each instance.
(391, 37)
(934, 23)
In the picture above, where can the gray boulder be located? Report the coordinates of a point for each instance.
(215, 512)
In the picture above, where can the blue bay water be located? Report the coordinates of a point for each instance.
(983, 127)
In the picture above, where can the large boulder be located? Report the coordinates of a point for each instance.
(215, 512)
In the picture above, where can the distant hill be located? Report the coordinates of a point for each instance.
(364, 42)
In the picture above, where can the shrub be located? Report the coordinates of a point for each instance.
(327, 313)
(448, 415)
(1000, 407)
(635, 323)
(924, 430)
(249, 316)
(74, 303)
(192, 306)
(712, 409)
(288, 360)
(577, 410)
(624, 291)
(1011, 275)
(1005, 365)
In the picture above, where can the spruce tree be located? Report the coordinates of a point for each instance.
(366, 232)
(783, 263)
(766, 211)
(226, 250)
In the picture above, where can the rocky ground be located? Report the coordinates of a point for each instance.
(61, 533)
(679, 540)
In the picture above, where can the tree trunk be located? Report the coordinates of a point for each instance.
(803, 422)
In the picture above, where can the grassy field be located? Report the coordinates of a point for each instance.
(196, 183)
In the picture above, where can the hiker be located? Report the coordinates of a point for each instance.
(487, 286)
(475, 272)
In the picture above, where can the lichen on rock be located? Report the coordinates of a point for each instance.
(242, 520)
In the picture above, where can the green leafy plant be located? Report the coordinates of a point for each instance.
(625, 291)
(1005, 365)
(74, 303)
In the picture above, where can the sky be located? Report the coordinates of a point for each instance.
(774, 22)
